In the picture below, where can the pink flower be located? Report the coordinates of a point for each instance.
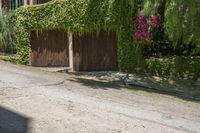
(155, 19)
(142, 26)
(145, 34)
(138, 35)
(153, 25)
(142, 21)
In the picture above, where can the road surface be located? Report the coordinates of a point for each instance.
(36, 101)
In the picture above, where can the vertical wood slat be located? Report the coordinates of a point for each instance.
(40, 1)
(5, 4)
(11, 4)
(49, 48)
(93, 53)
(1, 7)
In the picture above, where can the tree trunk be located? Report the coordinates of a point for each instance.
(31, 2)
(161, 11)
(0, 7)
(25, 2)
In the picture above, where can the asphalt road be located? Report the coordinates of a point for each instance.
(36, 101)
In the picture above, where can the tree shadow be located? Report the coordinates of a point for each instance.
(12, 122)
(94, 84)
(97, 84)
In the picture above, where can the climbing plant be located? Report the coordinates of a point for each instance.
(77, 16)
(178, 26)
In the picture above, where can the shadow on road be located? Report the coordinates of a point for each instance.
(97, 84)
(117, 85)
(12, 122)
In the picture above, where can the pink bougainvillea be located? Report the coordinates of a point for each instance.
(141, 28)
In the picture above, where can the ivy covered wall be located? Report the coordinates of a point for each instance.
(93, 15)
(76, 16)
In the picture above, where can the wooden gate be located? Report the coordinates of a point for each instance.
(94, 52)
(49, 48)
(5, 4)
(40, 1)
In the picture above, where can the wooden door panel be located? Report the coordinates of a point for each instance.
(49, 48)
(94, 52)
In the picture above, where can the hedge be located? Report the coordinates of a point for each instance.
(174, 67)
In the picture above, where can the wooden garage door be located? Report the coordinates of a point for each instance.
(49, 48)
(94, 52)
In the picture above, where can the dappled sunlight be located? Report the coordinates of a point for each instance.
(186, 89)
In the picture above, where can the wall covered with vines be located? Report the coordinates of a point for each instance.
(93, 15)
(74, 16)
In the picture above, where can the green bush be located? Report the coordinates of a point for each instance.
(9, 58)
(176, 67)
(7, 34)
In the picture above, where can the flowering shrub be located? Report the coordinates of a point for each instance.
(141, 32)
(142, 28)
